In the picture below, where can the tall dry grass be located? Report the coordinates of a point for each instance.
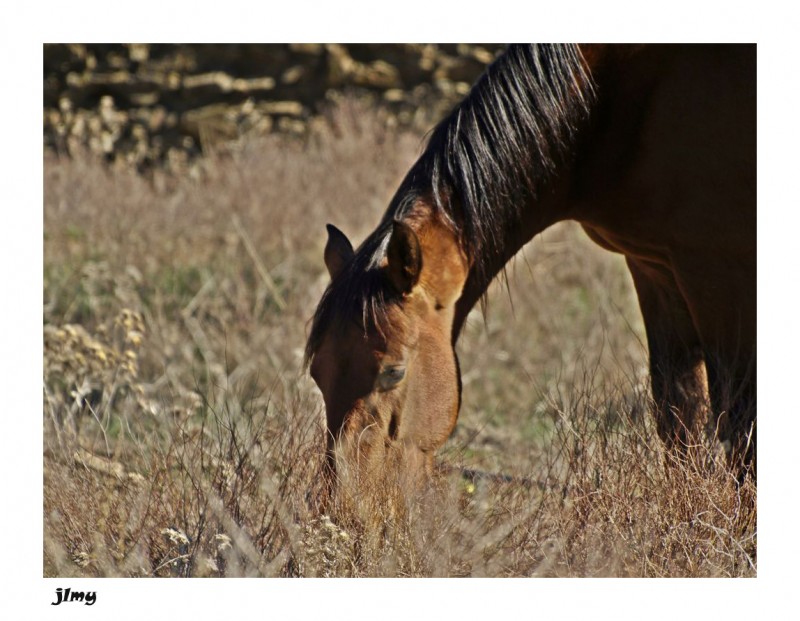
(183, 437)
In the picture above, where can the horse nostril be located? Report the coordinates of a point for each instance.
(393, 427)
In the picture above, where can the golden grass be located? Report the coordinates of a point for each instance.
(183, 437)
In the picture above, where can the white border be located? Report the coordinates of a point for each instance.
(25, 26)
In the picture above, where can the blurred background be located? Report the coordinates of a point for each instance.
(153, 105)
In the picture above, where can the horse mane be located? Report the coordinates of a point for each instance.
(483, 164)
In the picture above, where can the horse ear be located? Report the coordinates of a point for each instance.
(404, 257)
(338, 251)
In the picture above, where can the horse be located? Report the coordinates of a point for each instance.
(651, 148)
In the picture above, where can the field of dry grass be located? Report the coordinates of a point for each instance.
(182, 436)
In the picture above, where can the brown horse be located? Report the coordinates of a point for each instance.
(651, 148)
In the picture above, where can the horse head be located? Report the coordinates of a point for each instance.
(381, 348)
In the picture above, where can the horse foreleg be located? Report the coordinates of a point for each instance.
(723, 303)
(733, 397)
(677, 365)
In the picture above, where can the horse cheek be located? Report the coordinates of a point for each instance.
(438, 401)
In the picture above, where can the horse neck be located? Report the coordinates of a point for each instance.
(555, 197)
(550, 207)
(495, 169)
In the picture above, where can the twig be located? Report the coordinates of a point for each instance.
(182, 557)
(262, 270)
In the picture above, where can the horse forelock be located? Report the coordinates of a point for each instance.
(359, 294)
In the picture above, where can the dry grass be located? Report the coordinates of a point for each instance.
(183, 437)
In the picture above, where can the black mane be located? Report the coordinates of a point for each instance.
(482, 166)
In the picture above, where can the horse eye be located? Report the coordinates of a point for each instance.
(390, 377)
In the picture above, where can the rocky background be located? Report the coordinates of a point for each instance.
(163, 105)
